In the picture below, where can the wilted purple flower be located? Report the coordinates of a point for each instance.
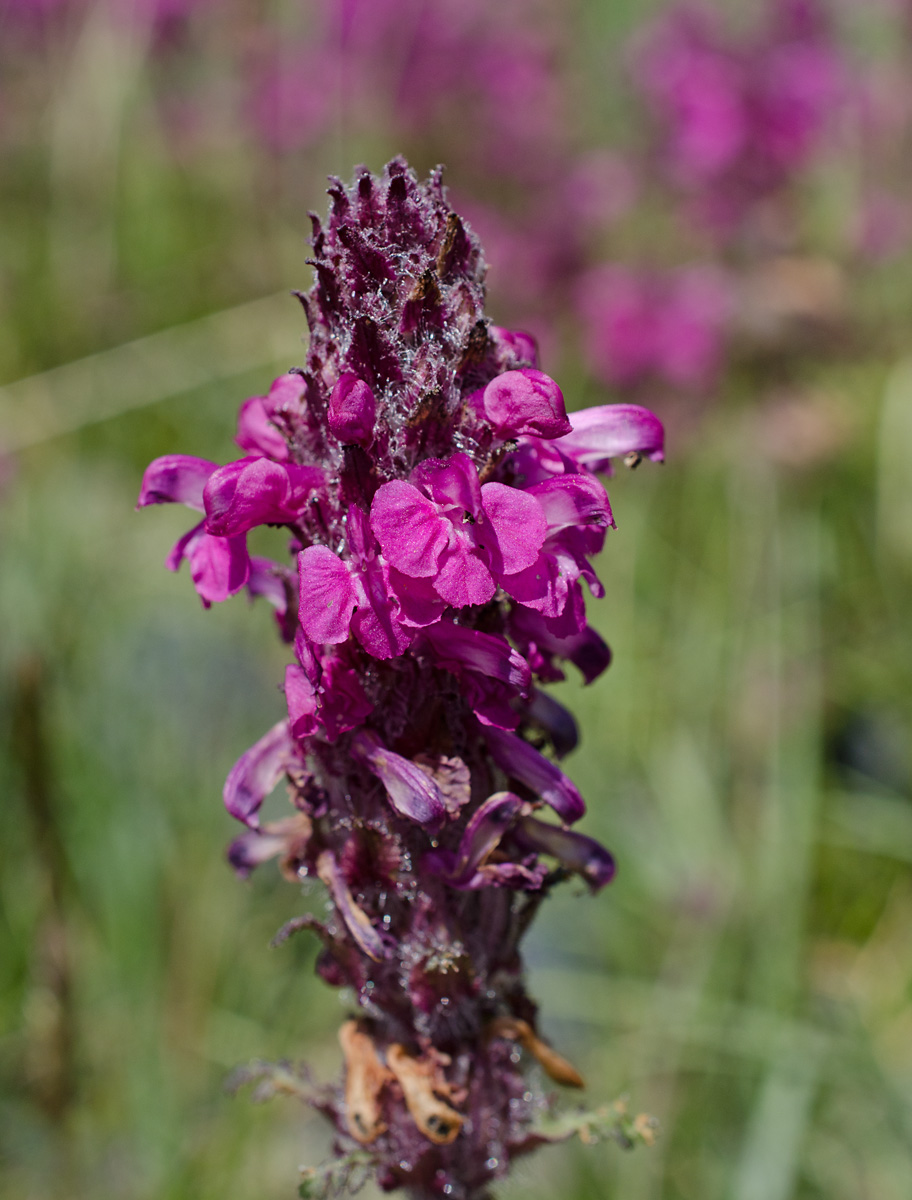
(442, 510)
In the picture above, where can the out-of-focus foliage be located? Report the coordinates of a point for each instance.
(747, 977)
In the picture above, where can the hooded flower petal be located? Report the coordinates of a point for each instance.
(257, 771)
(525, 402)
(257, 433)
(352, 411)
(523, 762)
(257, 491)
(411, 791)
(356, 920)
(611, 431)
(175, 478)
(482, 835)
(573, 850)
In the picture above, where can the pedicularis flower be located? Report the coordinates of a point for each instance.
(443, 509)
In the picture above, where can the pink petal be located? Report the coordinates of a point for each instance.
(525, 402)
(175, 478)
(419, 604)
(256, 433)
(518, 524)
(524, 763)
(571, 500)
(257, 771)
(463, 578)
(450, 481)
(411, 792)
(409, 528)
(257, 491)
(458, 648)
(610, 431)
(327, 595)
(301, 697)
(219, 567)
(352, 411)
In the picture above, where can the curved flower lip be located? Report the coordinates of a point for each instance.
(459, 648)
(524, 402)
(482, 835)
(609, 431)
(257, 491)
(411, 791)
(219, 567)
(257, 771)
(177, 479)
(355, 918)
(545, 712)
(523, 762)
(256, 432)
(573, 850)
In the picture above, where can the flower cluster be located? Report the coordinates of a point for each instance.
(443, 509)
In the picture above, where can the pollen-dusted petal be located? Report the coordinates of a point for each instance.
(518, 524)
(257, 491)
(352, 411)
(525, 402)
(410, 530)
(411, 791)
(573, 850)
(327, 596)
(257, 771)
(524, 763)
(611, 430)
(572, 500)
(450, 481)
(177, 479)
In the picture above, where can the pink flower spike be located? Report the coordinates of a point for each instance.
(327, 595)
(524, 763)
(411, 792)
(525, 402)
(257, 771)
(175, 478)
(352, 411)
(257, 491)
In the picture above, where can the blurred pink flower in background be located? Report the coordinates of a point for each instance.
(667, 327)
(737, 116)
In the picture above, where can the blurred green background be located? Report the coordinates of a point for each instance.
(747, 978)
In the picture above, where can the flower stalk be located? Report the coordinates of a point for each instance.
(443, 510)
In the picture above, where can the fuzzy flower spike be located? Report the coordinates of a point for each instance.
(443, 509)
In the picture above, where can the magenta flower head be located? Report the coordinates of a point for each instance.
(443, 511)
